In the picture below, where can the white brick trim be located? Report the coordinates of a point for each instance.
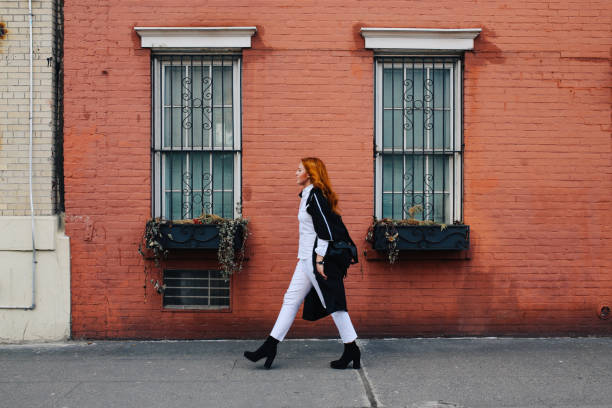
(195, 37)
(419, 39)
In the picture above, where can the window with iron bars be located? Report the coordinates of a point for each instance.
(196, 289)
(196, 142)
(418, 137)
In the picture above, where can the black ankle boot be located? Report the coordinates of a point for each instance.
(267, 349)
(351, 353)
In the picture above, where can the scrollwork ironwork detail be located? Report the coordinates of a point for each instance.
(412, 198)
(428, 194)
(193, 199)
(413, 104)
(187, 194)
(428, 91)
(207, 192)
(190, 103)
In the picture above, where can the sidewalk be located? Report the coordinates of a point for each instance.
(414, 373)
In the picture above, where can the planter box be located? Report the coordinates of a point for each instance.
(193, 236)
(425, 238)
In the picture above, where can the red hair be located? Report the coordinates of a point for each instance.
(319, 178)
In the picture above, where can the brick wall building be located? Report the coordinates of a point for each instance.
(520, 121)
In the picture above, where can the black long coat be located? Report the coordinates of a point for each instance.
(329, 226)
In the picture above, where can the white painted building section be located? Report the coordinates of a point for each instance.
(34, 309)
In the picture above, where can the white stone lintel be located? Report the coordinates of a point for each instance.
(420, 39)
(195, 37)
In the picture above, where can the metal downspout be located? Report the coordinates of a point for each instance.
(33, 305)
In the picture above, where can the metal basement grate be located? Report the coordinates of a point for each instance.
(195, 289)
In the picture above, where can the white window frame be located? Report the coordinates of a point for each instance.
(427, 42)
(456, 137)
(159, 207)
(201, 41)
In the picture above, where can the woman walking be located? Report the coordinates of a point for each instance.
(318, 277)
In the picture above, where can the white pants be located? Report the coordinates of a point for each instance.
(301, 283)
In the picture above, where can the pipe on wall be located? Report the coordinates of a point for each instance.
(32, 306)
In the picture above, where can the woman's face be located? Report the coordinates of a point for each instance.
(303, 179)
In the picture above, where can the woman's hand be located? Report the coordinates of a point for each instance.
(320, 269)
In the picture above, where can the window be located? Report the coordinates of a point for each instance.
(196, 289)
(196, 142)
(418, 137)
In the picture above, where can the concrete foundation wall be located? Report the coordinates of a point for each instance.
(46, 315)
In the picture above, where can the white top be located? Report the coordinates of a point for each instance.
(307, 231)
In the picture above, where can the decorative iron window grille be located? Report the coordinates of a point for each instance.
(196, 141)
(418, 137)
(196, 289)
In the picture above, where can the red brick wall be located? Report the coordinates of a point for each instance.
(538, 174)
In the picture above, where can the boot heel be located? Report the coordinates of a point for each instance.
(351, 353)
(269, 361)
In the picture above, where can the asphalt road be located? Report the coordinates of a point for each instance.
(414, 373)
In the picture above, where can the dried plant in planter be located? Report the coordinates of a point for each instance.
(391, 233)
(151, 239)
(151, 248)
(230, 258)
(391, 236)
